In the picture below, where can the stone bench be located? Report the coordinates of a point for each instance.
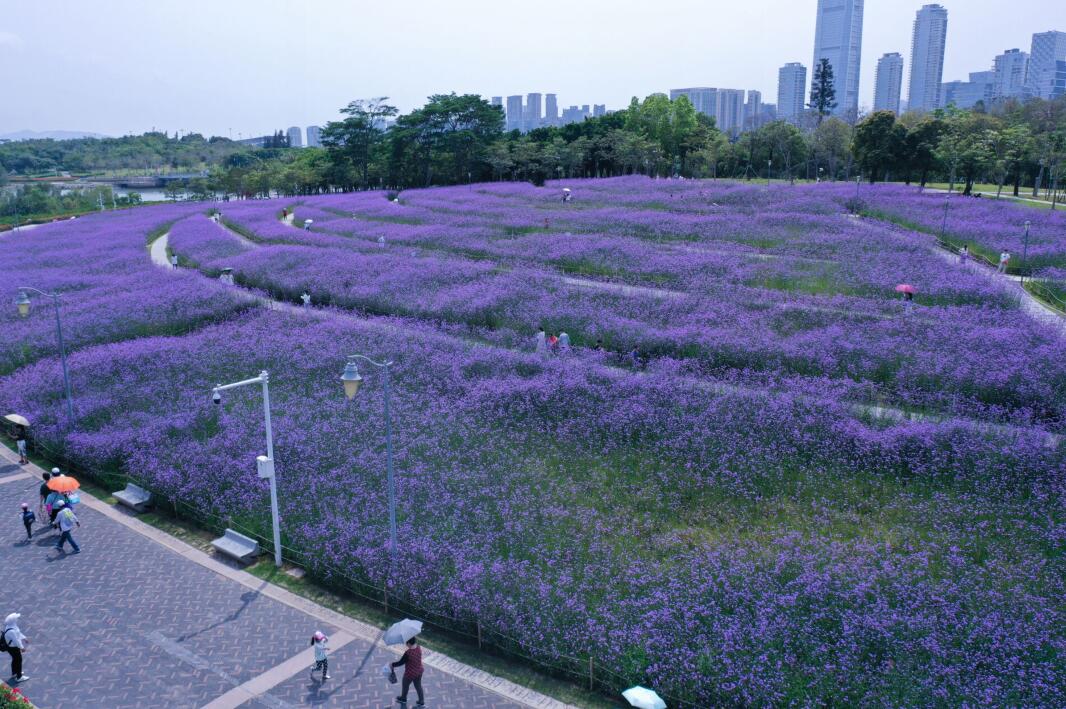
(134, 497)
(236, 546)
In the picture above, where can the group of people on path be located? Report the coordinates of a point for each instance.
(58, 508)
(411, 661)
(551, 344)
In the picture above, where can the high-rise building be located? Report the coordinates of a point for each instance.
(730, 118)
(753, 110)
(515, 114)
(314, 136)
(966, 94)
(497, 101)
(702, 98)
(599, 109)
(1048, 49)
(1010, 70)
(791, 91)
(927, 58)
(551, 110)
(889, 82)
(574, 115)
(838, 38)
(533, 113)
(295, 137)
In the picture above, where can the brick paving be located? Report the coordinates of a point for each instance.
(129, 622)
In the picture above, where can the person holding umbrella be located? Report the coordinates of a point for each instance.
(60, 485)
(21, 424)
(405, 632)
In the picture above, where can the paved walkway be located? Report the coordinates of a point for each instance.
(139, 619)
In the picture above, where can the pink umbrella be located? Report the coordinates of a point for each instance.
(905, 288)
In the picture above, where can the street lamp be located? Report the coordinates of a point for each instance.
(264, 463)
(769, 164)
(22, 302)
(1025, 251)
(352, 381)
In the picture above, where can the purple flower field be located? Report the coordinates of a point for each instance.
(732, 522)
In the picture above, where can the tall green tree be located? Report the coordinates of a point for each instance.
(823, 90)
(352, 141)
(878, 144)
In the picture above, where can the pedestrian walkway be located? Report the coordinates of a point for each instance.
(139, 618)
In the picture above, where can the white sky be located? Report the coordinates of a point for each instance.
(250, 66)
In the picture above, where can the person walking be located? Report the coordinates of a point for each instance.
(412, 672)
(44, 491)
(20, 443)
(964, 253)
(564, 343)
(67, 521)
(1004, 260)
(541, 342)
(173, 260)
(553, 344)
(28, 518)
(306, 298)
(54, 501)
(320, 643)
(13, 642)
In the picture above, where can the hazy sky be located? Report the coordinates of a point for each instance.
(249, 66)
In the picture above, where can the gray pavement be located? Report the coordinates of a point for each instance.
(140, 619)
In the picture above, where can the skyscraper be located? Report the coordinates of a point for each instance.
(889, 82)
(314, 137)
(753, 110)
(599, 109)
(1010, 70)
(704, 99)
(966, 94)
(1048, 49)
(730, 117)
(927, 58)
(838, 38)
(295, 137)
(514, 113)
(551, 110)
(497, 101)
(791, 90)
(533, 112)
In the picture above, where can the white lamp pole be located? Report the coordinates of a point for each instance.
(264, 464)
(23, 304)
(352, 380)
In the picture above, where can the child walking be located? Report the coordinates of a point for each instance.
(28, 518)
(320, 643)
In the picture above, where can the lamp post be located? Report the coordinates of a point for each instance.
(23, 303)
(769, 165)
(264, 464)
(1025, 251)
(352, 381)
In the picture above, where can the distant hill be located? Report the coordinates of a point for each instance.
(50, 134)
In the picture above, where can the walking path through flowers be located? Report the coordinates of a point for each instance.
(875, 411)
(139, 617)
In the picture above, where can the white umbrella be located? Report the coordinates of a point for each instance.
(403, 631)
(643, 698)
(16, 418)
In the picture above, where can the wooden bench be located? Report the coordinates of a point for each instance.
(134, 497)
(236, 546)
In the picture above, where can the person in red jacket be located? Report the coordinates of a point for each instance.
(412, 672)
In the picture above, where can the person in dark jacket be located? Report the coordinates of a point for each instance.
(412, 672)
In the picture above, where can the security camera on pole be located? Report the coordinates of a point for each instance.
(264, 463)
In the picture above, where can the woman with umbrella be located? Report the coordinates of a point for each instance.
(405, 632)
(21, 423)
(60, 485)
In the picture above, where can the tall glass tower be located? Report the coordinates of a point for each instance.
(927, 58)
(838, 38)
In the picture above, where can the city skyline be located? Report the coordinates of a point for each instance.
(218, 90)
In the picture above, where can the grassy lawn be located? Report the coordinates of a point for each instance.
(1025, 195)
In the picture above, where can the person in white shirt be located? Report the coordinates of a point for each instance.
(541, 342)
(306, 298)
(1004, 260)
(320, 643)
(564, 343)
(67, 521)
(174, 260)
(14, 643)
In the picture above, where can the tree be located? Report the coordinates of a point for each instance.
(823, 90)
(878, 144)
(351, 142)
(831, 144)
(919, 148)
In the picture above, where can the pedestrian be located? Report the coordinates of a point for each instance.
(964, 253)
(412, 672)
(320, 643)
(381, 241)
(306, 298)
(566, 194)
(308, 223)
(13, 642)
(28, 518)
(541, 343)
(67, 522)
(553, 344)
(564, 343)
(20, 443)
(44, 491)
(285, 213)
(173, 260)
(599, 344)
(54, 501)
(1004, 259)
